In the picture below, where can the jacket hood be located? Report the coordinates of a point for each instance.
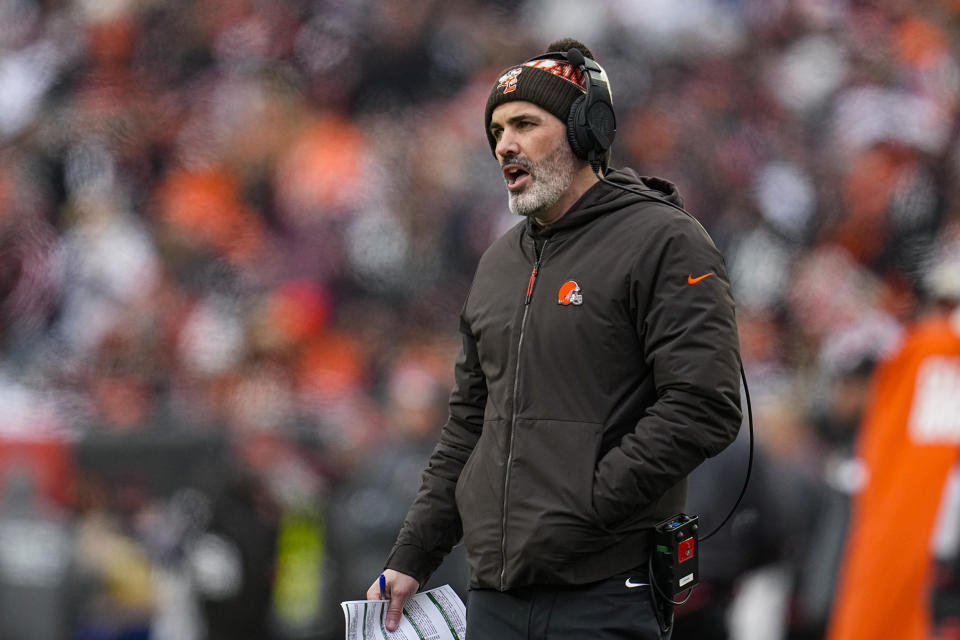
(603, 198)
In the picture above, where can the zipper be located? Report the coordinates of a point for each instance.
(513, 422)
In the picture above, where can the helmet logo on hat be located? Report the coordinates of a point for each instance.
(508, 81)
(569, 294)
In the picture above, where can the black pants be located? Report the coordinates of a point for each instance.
(605, 610)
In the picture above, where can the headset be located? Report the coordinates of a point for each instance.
(591, 123)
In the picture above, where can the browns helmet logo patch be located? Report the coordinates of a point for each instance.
(508, 81)
(569, 294)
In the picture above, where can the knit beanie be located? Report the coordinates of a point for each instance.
(552, 85)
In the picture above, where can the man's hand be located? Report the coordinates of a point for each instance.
(400, 586)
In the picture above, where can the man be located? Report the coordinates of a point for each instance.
(599, 366)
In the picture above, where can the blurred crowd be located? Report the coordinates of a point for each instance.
(235, 236)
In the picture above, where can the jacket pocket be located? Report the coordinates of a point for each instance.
(550, 513)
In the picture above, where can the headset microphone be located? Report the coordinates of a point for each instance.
(576, 58)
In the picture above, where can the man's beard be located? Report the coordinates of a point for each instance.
(549, 180)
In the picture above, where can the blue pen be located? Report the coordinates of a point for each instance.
(383, 587)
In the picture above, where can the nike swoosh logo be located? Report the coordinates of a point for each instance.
(630, 584)
(692, 280)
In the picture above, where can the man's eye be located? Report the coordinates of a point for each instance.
(496, 133)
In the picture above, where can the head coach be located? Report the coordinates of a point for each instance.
(599, 366)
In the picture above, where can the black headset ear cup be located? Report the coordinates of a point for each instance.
(601, 125)
(578, 138)
(590, 131)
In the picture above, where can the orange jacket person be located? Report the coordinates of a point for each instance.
(908, 443)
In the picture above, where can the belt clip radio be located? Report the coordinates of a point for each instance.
(673, 563)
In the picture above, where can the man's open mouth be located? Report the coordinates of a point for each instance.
(516, 176)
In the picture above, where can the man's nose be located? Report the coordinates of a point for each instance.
(507, 145)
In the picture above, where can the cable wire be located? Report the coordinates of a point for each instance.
(651, 194)
(746, 480)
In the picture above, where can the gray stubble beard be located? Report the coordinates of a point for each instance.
(550, 178)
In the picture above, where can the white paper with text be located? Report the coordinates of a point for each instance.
(437, 614)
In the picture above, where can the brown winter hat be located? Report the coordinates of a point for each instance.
(550, 84)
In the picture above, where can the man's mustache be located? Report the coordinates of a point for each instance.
(519, 161)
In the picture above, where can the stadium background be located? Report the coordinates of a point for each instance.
(235, 236)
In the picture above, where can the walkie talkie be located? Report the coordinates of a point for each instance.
(674, 566)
